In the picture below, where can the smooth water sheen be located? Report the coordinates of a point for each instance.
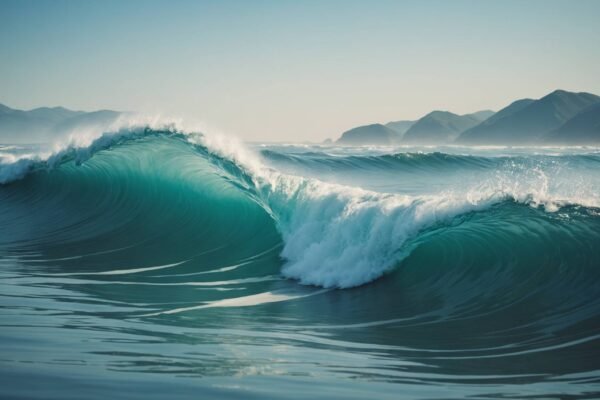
(157, 264)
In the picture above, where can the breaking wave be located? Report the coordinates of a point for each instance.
(327, 234)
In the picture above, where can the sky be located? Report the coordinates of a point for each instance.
(294, 70)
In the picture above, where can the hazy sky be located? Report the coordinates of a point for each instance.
(294, 70)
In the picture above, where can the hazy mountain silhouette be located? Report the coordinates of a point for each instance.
(439, 127)
(560, 117)
(400, 126)
(483, 115)
(584, 128)
(87, 120)
(42, 124)
(435, 127)
(376, 134)
(512, 108)
(529, 121)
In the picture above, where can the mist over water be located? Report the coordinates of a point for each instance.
(153, 263)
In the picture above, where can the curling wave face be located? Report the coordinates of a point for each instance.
(468, 265)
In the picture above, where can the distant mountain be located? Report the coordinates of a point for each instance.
(439, 127)
(584, 128)
(435, 127)
(4, 109)
(400, 126)
(375, 134)
(510, 109)
(51, 114)
(42, 124)
(529, 121)
(35, 124)
(87, 120)
(483, 114)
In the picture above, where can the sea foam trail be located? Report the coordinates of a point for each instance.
(334, 235)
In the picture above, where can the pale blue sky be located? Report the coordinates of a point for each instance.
(294, 70)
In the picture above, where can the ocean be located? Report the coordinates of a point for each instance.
(154, 263)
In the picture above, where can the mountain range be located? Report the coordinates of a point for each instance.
(42, 124)
(441, 127)
(376, 134)
(561, 117)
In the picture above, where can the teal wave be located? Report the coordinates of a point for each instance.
(151, 186)
(172, 251)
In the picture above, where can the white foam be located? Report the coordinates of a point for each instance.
(342, 237)
(243, 301)
(126, 271)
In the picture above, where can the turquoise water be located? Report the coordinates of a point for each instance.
(152, 265)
